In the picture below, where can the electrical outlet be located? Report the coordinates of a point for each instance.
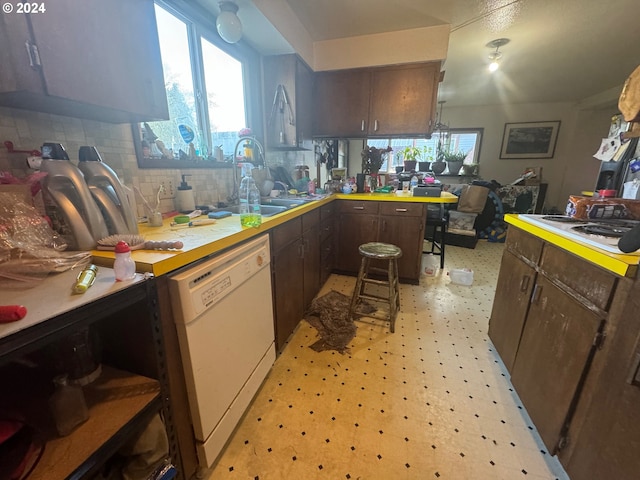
(167, 191)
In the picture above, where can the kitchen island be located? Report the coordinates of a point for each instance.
(565, 324)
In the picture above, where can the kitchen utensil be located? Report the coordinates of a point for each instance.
(194, 223)
(137, 242)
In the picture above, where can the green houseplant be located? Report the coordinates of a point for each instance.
(454, 161)
(410, 157)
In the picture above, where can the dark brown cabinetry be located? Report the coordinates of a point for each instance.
(513, 292)
(382, 101)
(399, 223)
(295, 264)
(327, 241)
(130, 389)
(288, 120)
(550, 313)
(93, 59)
(604, 439)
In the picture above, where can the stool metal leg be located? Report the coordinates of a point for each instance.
(393, 293)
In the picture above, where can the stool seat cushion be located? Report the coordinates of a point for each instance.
(382, 251)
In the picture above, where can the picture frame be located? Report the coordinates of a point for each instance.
(529, 140)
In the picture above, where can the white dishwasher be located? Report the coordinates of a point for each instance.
(224, 319)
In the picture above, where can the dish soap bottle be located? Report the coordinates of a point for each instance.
(124, 267)
(186, 200)
(250, 211)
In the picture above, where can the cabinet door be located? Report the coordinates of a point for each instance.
(510, 306)
(287, 127)
(403, 99)
(341, 103)
(311, 245)
(406, 233)
(288, 290)
(555, 350)
(102, 54)
(17, 73)
(354, 230)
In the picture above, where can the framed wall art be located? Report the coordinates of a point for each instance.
(529, 140)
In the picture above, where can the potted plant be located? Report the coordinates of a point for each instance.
(410, 156)
(454, 161)
(470, 169)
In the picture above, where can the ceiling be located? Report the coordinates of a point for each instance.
(559, 50)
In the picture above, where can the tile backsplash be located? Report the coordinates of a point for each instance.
(29, 130)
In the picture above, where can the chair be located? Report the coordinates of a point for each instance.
(436, 229)
(377, 251)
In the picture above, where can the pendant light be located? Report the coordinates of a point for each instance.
(228, 24)
(496, 56)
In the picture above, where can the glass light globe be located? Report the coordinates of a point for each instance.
(229, 26)
(493, 66)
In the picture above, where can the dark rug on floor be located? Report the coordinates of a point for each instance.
(329, 315)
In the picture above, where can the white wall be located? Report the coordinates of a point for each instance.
(572, 168)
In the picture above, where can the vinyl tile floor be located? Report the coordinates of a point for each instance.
(430, 401)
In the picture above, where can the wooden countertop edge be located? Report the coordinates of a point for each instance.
(623, 265)
(173, 260)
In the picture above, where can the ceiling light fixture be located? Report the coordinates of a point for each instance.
(228, 24)
(496, 56)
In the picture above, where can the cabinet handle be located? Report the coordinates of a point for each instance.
(358, 208)
(537, 290)
(401, 210)
(375, 126)
(524, 283)
(33, 54)
(300, 250)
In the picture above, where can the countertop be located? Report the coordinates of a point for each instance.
(53, 296)
(623, 265)
(202, 241)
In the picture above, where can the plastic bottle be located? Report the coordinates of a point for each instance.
(68, 201)
(185, 197)
(414, 183)
(124, 267)
(108, 192)
(67, 405)
(250, 212)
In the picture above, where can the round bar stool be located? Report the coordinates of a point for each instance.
(377, 251)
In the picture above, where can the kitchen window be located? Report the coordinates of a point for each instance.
(208, 85)
(466, 140)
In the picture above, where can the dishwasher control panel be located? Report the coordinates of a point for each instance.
(200, 287)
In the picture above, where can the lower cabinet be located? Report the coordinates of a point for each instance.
(295, 266)
(510, 306)
(555, 351)
(553, 319)
(398, 223)
(327, 241)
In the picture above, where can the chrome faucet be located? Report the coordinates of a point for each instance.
(233, 199)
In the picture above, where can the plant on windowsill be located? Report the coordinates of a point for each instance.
(454, 161)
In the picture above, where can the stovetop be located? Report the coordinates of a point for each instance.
(601, 233)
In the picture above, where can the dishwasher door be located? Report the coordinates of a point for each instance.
(224, 320)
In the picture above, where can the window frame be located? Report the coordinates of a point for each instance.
(201, 26)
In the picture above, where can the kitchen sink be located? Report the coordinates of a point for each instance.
(267, 210)
(283, 202)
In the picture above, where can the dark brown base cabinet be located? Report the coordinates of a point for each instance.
(398, 223)
(295, 266)
(568, 332)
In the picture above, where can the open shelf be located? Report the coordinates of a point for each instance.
(118, 403)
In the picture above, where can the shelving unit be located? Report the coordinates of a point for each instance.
(131, 389)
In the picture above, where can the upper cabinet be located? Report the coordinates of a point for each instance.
(92, 59)
(376, 102)
(287, 88)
